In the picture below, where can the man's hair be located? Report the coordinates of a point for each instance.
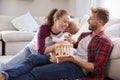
(102, 14)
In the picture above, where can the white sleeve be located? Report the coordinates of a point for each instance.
(59, 39)
(55, 39)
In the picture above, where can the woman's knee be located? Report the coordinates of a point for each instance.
(37, 58)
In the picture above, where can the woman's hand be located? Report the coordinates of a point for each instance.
(53, 57)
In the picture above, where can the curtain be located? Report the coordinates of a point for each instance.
(97, 3)
(111, 5)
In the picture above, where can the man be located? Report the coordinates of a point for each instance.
(93, 52)
(96, 46)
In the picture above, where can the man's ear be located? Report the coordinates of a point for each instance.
(100, 21)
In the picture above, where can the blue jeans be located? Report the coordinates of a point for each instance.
(19, 57)
(38, 67)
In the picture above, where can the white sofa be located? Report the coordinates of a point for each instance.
(12, 40)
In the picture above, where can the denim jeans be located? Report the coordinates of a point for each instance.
(19, 57)
(38, 67)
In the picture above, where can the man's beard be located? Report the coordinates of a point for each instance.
(92, 27)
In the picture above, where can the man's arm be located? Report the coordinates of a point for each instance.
(86, 65)
(49, 49)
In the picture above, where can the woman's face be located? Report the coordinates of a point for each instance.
(62, 23)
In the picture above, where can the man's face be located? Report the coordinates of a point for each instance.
(93, 22)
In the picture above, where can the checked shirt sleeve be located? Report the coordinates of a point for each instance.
(102, 55)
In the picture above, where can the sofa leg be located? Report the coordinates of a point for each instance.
(3, 48)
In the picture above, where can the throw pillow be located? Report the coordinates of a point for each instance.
(25, 22)
(39, 19)
(113, 30)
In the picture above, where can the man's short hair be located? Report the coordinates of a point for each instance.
(102, 14)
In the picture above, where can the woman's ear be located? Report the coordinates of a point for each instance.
(55, 19)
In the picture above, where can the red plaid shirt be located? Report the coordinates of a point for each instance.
(99, 50)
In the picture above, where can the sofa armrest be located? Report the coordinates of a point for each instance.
(17, 36)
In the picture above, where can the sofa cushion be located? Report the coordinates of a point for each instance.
(39, 19)
(113, 30)
(83, 27)
(115, 52)
(5, 23)
(25, 22)
(113, 69)
(5, 58)
(112, 21)
(17, 36)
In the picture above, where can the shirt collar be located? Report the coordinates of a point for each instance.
(100, 33)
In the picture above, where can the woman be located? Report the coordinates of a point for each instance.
(50, 27)
(35, 65)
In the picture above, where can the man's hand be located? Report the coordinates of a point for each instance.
(64, 58)
(57, 59)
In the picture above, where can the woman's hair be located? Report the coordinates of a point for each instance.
(54, 13)
(102, 13)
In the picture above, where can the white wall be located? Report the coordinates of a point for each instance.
(36, 7)
(113, 7)
(72, 10)
(76, 8)
(82, 8)
(79, 8)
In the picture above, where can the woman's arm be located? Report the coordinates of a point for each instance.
(49, 49)
(44, 31)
